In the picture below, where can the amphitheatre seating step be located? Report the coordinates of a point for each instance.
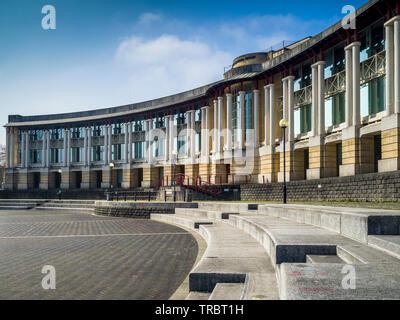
(227, 291)
(290, 242)
(389, 244)
(186, 221)
(215, 215)
(325, 281)
(354, 223)
(232, 256)
(362, 254)
(227, 207)
(65, 208)
(324, 259)
(16, 207)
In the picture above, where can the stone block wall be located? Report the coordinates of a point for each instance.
(373, 187)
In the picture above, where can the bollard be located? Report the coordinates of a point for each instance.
(149, 196)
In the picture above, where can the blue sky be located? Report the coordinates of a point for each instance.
(107, 53)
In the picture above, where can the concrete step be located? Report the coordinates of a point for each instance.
(206, 214)
(328, 282)
(388, 244)
(18, 207)
(227, 291)
(189, 222)
(362, 254)
(324, 259)
(198, 296)
(64, 208)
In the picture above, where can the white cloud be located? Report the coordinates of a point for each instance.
(149, 17)
(168, 65)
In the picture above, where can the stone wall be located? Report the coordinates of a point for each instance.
(382, 187)
(140, 210)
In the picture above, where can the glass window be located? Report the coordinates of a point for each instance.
(328, 58)
(118, 152)
(372, 97)
(138, 150)
(97, 153)
(339, 59)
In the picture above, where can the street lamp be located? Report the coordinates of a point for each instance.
(284, 124)
(174, 159)
(112, 165)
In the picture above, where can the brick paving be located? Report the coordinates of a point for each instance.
(94, 257)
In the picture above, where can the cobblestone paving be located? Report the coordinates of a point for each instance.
(94, 257)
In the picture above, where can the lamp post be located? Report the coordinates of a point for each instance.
(174, 159)
(284, 124)
(112, 165)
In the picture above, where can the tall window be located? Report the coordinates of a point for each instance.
(56, 155)
(98, 131)
(138, 150)
(97, 153)
(118, 151)
(118, 128)
(303, 119)
(76, 133)
(335, 60)
(35, 156)
(372, 41)
(235, 113)
(158, 147)
(76, 154)
(335, 110)
(372, 97)
(35, 135)
(56, 134)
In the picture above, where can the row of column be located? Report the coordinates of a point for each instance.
(392, 35)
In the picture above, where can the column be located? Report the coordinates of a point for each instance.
(8, 142)
(255, 116)
(290, 107)
(48, 150)
(65, 147)
(229, 121)
(166, 141)
(149, 156)
(314, 111)
(220, 123)
(203, 132)
(85, 153)
(389, 85)
(44, 142)
(130, 153)
(126, 141)
(349, 86)
(27, 154)
(321, 98)
(12, 147)
(271, 88)
(188, 129)
(68, 148)
(242, 130)
(266, 114)
(215, 147)
(396, 26)
(356, 82)
(171, 137)
(193, 137)
(207, 126)
(89, 143)
(23, 149)
(106, 145)
(110, 133)
(284, 94)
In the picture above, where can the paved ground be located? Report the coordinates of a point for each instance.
(94, 257)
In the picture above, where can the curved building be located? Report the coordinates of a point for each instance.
(339, 92)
